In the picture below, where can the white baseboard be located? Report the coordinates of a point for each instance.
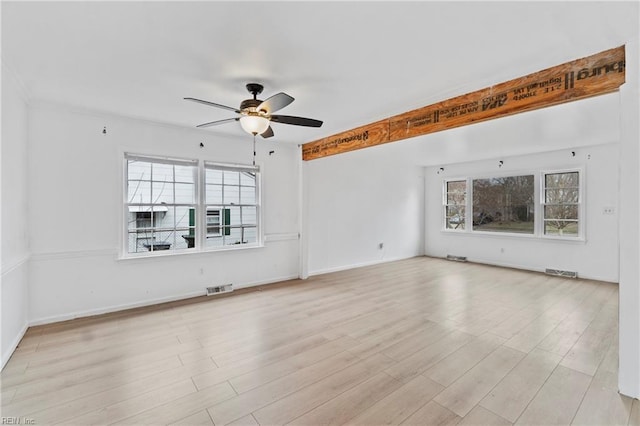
(115, 308)
(268, 281)
(14, 344)
(150, 302)
(530, 268)
(358, 265)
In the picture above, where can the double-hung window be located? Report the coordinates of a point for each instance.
(561, 203)
(160, 195)
(231, 198)
(183, 205)
(455, 204)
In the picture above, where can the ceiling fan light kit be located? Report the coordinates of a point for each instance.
(254, 124)
(256, 115)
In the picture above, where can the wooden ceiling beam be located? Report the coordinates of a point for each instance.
(594, 75)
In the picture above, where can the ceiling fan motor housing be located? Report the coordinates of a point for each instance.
(250, 104)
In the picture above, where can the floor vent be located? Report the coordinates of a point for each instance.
(457, 258)
(560, 273)
(227, 288)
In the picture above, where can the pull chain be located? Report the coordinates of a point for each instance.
(254, 149)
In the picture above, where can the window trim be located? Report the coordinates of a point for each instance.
(199, 205)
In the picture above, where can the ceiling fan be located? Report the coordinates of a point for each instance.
(255, 114)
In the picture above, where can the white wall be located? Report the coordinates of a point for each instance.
(15, 250)
(594, 258)
(355, 201)
(75, 190)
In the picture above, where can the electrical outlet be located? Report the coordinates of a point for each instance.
(608, 210)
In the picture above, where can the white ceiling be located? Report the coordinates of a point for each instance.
(347, 63)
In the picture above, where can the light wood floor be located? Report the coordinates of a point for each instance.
(418, 342)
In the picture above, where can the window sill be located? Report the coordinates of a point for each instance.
(186, 252)
(514, 235)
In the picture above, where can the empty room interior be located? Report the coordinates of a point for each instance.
(269, 213)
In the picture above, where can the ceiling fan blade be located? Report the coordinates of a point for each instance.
(296, 121)
(267, 133)
(275, 102)
(215, 123)
(212, 104)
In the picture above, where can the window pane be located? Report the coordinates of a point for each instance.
(561, 212)
(504, 204)
(249, 215)
(231, 194)
(561, 228)
(214, 176)
(185, 193)
(247, 195)
(138, 170)
(185, 174)
(247, 179)
(561, 180)
(132, 242)
(455, 198)
(162, 192)
(162, 172)
(213, 241)
(162, 240)
(457, 186)
(561, 196)
(234, 215)
(214, 221)
(231, 178)
(214, 194)
(455, 217)
(250, 235)
(139, 192)
(182, 217)
(233, 236)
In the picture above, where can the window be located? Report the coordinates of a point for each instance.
(231, 196)
(455, 204)
(504, 204)
(561, 203)
(160, 194)
(507, 204)
(186, 205)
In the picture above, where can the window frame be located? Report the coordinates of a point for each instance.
(199, 206)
